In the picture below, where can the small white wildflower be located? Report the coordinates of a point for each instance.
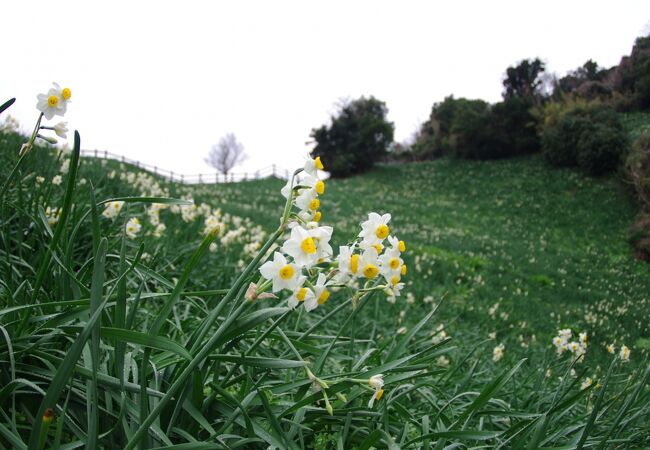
(498, 352)
(133, 227)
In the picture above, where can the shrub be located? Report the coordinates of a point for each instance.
(638, 168)
(474, 129)
(358, 136)
(600, 149)
(560, 141)
(584, 134)
(639, 237)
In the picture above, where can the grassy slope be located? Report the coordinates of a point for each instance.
(549, 246)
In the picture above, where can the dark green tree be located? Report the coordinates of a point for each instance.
(524, 80)
(359, 135)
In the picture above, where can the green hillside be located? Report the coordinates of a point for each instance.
(548, 246)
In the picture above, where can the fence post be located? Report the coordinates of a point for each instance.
(95, 153)
(216, 177)
(286, 173)
(273, 170)
(182, 178)
(155, 169)
(122, 158)
(245, 176)
(105, 154)
(200, 181)
(171, 176)
(232, 177)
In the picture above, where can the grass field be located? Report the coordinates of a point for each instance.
(548, 246)
(148, 341)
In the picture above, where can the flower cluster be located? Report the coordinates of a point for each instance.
(52, 215)
(305, 266)
(562, 343)
(112, 209)
(54, 102)
(498, 352)
(623, 353)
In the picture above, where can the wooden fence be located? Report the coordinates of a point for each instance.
(215, 177)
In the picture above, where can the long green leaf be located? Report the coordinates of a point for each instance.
(67, 367)
(146, 340)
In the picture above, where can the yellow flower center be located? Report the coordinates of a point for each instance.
(380, 394)
(308, 245)
(403, 270)
(354, 263)
(52, 100)
(286, 272)
(320, 187)
(370, 271)
(379, 248)
(394, 280)
(401, 246)
(66, 94)
(393, 263)
(318, 163)
(382, 231)
(317, 216)
(301, 294)
(323, 297)
(314, 204)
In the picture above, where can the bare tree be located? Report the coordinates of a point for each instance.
(226, 154)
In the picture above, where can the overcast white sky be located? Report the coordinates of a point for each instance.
(162, 81)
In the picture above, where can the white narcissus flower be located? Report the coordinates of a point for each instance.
(57, 180)
(611, 349)
(283, 274)
(54, 102)
(393, 290)
(160, 230)
(112, 209)
(377, 383)
(65, 166)
(348, 263)
(583, 338)
(585, 384)
(312, 166)
(300, 294)
(624, 353)
(301, 246)
(61, 129)
(322, 236)
(368, 263)
(40, 179)
(390, 264)
(321, 294)
(133, 227)
(307, 200)
(498, 352)
(375, 229)
(52, 215)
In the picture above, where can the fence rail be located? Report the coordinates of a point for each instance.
(215, 177)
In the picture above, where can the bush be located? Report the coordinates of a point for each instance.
(358, 136)
(560, 141)
(638, 168)
(584, 134)
(476, 130)
(600, 149)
